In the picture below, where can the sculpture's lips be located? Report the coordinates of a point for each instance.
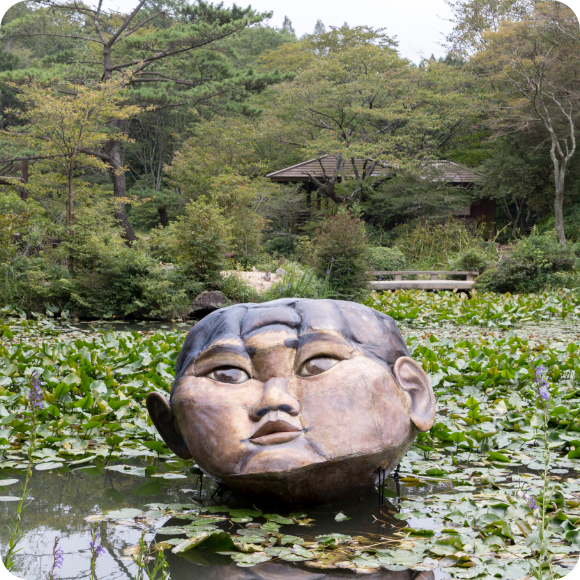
(273, 429)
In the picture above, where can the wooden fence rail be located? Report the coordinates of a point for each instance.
(434, 283)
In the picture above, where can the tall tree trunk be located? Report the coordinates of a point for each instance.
(520, 209)
(24, 176)
(70, 192)
(559, 181)
(163, 218)
(120, 191)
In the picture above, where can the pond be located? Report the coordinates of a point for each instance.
(63, 502)
(469, 489)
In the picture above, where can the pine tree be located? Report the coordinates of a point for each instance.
(287, 26)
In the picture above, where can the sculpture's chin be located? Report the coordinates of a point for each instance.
(294, 454)
(301, 479)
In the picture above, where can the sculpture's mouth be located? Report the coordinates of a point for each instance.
(272, 429)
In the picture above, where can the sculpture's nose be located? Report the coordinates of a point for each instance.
(275, 397)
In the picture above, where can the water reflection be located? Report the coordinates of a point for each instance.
(60, 500)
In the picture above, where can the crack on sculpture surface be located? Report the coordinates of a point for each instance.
(297, 399)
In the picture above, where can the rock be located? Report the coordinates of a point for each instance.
(281, 272)
(206, 302)
(266, 276)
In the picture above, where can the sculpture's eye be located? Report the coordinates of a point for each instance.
(317, 365)
(230, 375)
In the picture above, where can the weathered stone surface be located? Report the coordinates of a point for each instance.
(302, 400)
(206, 303)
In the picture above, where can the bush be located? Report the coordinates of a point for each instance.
(342, 251)
(472, 260)
(279, 246)
(237, 289)
(387, 259)
(537, 263)
(427, 245)
(202, 240)
(304, 249)
(35, 283)
(299, 283)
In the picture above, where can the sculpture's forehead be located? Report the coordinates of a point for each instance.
(251, 326)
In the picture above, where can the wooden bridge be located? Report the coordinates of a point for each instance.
(434, 283)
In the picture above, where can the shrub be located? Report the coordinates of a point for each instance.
(237, 289)
(472, 259)
(387, 259)
(279, 246)
(342, 251)
(427, 245)
(35, 283)
(166, 293)
(304, 248)
(299, 283)
(537, 263)
(202, 239)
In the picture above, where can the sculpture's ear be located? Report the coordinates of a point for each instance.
(417, 391)
(164, 421)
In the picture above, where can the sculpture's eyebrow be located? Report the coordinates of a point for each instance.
(223, 352)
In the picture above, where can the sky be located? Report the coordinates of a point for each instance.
(419, 25)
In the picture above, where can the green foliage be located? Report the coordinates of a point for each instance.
(471, 260)
(279, 246)
(494, 310)
(238, 290)
(35, 283)
(202, 239)
(538, 262)
(342, 252)
(428, 244)
(387, 259)
(300, 283)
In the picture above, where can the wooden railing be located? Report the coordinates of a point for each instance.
(434, 283)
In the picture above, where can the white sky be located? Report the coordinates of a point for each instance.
(419, 25)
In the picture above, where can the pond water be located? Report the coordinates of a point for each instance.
(60, 501)
(467, 483)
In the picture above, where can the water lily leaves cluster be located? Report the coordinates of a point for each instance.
(464, 504)
(94, 386)
(494, 310)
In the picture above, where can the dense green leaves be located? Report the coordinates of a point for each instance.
(466, 484)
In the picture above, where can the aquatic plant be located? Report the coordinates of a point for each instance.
(95, 549)
(159, 570)
(35, 398)
(543, 557)
(57, 560)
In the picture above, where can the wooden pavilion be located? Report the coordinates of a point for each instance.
(322, 169)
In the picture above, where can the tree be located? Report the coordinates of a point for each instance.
(300, 55)
(367, 103)
(66, 127)
(287, 26)
(219, 164)
(535, 64)
(517, 175)
(319, 27)
(173, 53)
(473, 19)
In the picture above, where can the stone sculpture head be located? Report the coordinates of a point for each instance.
(298, 399)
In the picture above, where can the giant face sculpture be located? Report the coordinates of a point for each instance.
(300, 399)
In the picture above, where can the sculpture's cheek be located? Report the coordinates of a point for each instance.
(214, 420)
(354, 409)
(217, 437)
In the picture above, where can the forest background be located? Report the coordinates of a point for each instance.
(134, 149)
